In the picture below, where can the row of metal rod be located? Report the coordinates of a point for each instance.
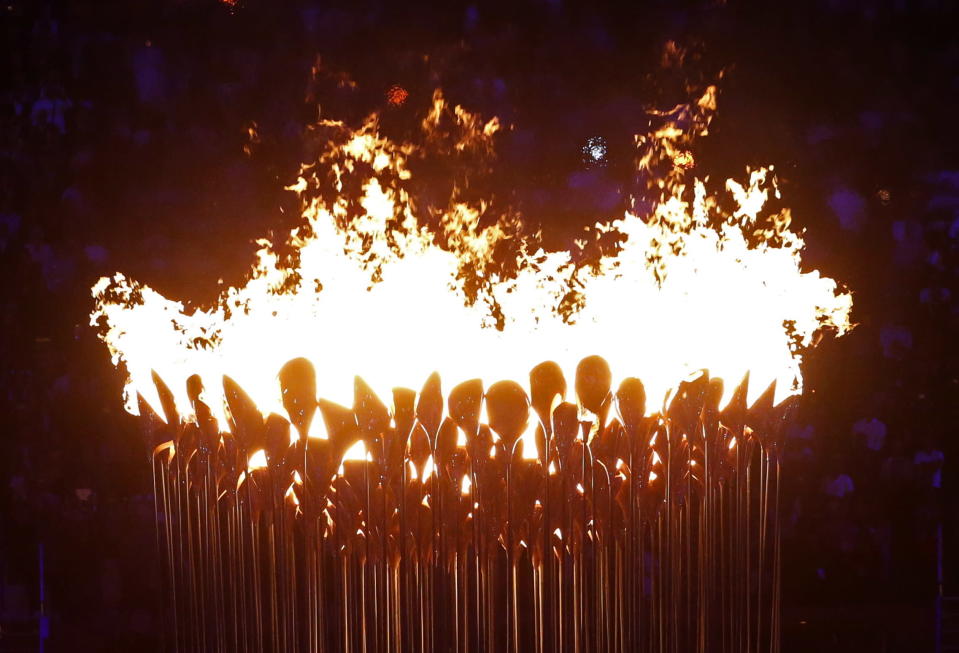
(621, 531)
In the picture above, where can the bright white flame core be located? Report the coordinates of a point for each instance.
(718, 302)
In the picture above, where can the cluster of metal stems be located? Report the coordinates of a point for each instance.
(625, 531)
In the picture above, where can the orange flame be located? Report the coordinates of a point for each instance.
(381, 296)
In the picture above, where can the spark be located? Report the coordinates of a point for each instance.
(595, 151)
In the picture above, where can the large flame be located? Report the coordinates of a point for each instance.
(371, 291)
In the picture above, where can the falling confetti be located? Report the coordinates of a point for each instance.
(595, 151)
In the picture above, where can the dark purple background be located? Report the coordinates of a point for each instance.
(124, 145)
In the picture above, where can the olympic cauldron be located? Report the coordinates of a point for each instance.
(429, 522)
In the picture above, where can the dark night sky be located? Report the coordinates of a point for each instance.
(852, 101)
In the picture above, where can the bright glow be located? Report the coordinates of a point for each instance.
(291, 495)
(428, 468)
(557, 400)
(356, 452)
(530, 450)
(257, 460)
(318, 429)
(465, 485)
(692, 288)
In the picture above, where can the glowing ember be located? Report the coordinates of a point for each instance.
(397, 96)
(692, 287)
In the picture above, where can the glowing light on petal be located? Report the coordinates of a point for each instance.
(291, 495)
(257, 460)
(530, 450)
(428, 468)
(356, 452)
(318, 429)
